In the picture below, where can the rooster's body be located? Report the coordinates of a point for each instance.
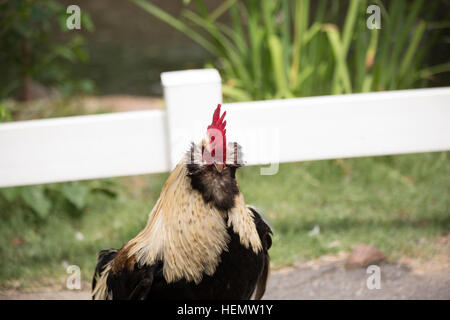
(201, 241)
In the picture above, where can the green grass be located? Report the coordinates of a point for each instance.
(400, 204)
(390, 202)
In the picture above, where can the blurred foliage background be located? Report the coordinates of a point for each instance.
(283, 49)
(264, 50)
(29, 51)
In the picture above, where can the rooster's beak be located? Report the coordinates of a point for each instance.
(219, 166)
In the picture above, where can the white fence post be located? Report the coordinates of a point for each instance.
(191, 97)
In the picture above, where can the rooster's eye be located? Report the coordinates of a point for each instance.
(213, 138)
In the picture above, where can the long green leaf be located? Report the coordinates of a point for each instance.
(349, 25)
(341, 76)
(407, 60)
(221, 9)
(235, 93)
(228, 47)
(278, 68)
(177, 24)
(300, 25)
(429, 72)
(369, 61)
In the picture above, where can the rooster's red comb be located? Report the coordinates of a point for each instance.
(217, 120)
(219, 124)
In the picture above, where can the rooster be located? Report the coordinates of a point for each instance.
(201, 240)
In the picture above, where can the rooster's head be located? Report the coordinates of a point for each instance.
(212, 164)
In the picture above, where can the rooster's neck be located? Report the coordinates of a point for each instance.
(180, 229)
(187, 233)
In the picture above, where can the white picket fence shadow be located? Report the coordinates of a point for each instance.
(142, 142)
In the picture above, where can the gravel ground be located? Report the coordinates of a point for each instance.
(333, 281)
(320, 280)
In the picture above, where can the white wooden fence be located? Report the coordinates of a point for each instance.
(131, 143)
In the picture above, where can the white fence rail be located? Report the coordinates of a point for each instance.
(130, 143)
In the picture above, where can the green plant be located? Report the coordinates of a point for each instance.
(43, 200)
(393, 57)
(30, 51)
(4, 113)
(281, 49)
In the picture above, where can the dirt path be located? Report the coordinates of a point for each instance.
(325, 278)
(333, 281)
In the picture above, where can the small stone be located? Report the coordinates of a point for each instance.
(79, 236)
(334, 244)
(315, 231)
(364, 255)
(17, 241)
(117, 224)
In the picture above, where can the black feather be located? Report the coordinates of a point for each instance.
(240, 273)
(104, 256)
